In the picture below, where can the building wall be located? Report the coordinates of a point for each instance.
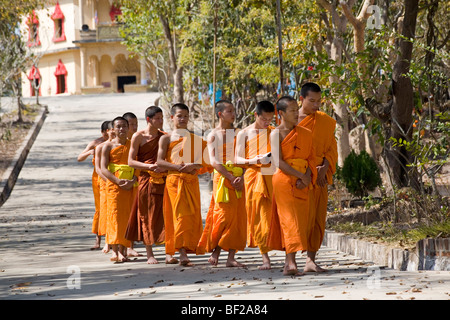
(47, 67)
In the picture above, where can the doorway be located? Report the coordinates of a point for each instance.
(61, 84)
(122, 81)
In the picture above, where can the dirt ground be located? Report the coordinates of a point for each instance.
(12, 134)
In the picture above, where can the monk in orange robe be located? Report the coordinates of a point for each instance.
(102, 212)
(226, 221)
(181, 154)
(119, 188)
(133, 124)
(253, 150)
(88, 151)
(326, 156)
(146, 221)
(293, 154)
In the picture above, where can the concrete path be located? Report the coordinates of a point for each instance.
(45, 236)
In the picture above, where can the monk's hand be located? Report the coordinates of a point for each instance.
(263, 158)
(238, 183)
(190, 168)
(299, 184)
(322, 175)
(155, 168)
(306, 177)
(126, 184)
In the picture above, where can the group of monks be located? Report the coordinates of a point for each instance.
(269, 183)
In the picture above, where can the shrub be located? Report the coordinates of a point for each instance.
(360, 174)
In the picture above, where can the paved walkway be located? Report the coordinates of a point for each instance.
(45, 236)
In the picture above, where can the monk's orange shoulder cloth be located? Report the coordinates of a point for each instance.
(258, 192)
(119, 201)
(324, 141)
(226, 221)
(290, 206)
(325, 146)
(182, 205)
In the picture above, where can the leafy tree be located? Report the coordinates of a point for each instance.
(153, 30)
(14, 57)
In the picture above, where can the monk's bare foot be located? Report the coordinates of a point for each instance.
(265, 266)
(97, 243)
(234, 263)
(106, 248)
(186, 263)
(290, 269)
(184, 260)
(171, 260)
(113, 258)
(214, 258)
(96, 246)
(292, 272)
(152, 260)
(311, 266)
(133, 253)
(266, 262)
(122, 258)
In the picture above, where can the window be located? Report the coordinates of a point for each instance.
(61, 78)
(33, 30)
(58, 20)
(35, 81)
(114, 13)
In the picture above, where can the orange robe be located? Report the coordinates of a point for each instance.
(289, 225)
(119, 201)
(182, 205)
(258, 193)
(325, 146)
(146, 221)
(103, 204)
(226, 222)
(96, 191)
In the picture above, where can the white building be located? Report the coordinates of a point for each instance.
(78, 49)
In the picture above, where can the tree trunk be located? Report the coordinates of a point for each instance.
(403, 100)
(177, 73)
(16, 90)
(334, 48)
(280, 46)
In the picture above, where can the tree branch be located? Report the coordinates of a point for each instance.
(349, 15)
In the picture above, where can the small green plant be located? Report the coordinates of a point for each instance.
(6, 135)
(360, 174)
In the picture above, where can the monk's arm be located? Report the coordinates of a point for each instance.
(132, 155)
(240, 148)
(97, 162)
(162, 153)
(240, 158)
(88, 151)
(105, 162)
(215, 162)
(277, 158)
(331, 156)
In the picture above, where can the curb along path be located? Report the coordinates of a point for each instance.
(9, 177)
